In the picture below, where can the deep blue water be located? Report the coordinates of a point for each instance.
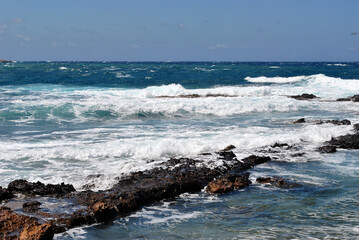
(62, 121)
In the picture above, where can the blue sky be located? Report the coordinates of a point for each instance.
(164, 30)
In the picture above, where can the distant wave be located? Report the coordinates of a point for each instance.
(337, 64)
(275, 79)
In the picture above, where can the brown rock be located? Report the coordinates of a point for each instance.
(301, 120)
(304, 96)
(5, 194)
(223, 185)
(31, 206)
(228, 148)
(38, 232)
(104, 212)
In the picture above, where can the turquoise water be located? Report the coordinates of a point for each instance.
(63, 121)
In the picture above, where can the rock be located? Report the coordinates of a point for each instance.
(356, 127)
(5, 61)
(12, 224)
(254, 160)
(334, 122)
(327, 149)
(223, 185)
(354, 98)
(38, 232)
(301, 120)
(31, 206)
(278, 182)
(38, 188)
(226, 155)
(228, 148)
(282, 145)
(228, 183)
(304, 96)
(5, 194)
(104, 212)
(349, 141)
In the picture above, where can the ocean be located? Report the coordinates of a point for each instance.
(66, 121)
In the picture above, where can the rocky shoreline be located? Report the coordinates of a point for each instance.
(24, 213)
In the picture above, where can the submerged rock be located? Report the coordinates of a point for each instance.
(304, 96)
(278, 182)
(31, 206)
(334, 122)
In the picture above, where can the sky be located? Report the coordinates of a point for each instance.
(186, 30)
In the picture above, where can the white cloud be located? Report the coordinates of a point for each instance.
(181, 25)
(26, 39)
(53, 44)
(71, 44)
(351, 48)
(219, 46)
(135, 46)
(2, 28)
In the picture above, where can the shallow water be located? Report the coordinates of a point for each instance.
(65, 121)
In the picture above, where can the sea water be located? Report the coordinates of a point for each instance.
(90, 123)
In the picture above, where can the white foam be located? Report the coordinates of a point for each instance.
(275, 79)
(63, 68)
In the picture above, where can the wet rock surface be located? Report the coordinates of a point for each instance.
(174, 177)
(354, 98)
(304, 96)
(318, 122)
(38, 188)
(349, 141)
(327, 149)
(5, 194)
(17, 226)
(228, 183)
(278, 182)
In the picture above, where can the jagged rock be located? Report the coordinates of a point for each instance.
(304, 96)
(301, 120)
(5, 194)
(334, 122)
(222, 185)
(31, 206)
(12, 224)
(104, 212)
(227, 155)
(228, 183)
(327, 149)
(38, 188)
(175, 161)
(349, 141)
(38, 232)
(278, 182)
(354, 98)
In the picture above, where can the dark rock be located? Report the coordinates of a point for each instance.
(349, 141)
(254, 160)
(334, 122)
(5, 61)
(327, 149)
(205, 154)
(282, 145)
(38, 188)
(31, 206)
(176, 161)
(354, 98)
(301, 120)
(227, 155)
(5, 194)
(298, 154)
(356, 127)
(228, 148)
(278, 182)
(304, 96)
(242, 181)
(104, 212)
